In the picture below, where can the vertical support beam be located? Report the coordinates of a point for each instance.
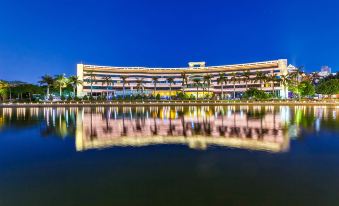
(80, 74)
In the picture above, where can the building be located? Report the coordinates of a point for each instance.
(140, 79)
(325, 71)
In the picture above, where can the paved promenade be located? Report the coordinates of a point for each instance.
(170, 103)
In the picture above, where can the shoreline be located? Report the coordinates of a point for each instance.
(169, 103)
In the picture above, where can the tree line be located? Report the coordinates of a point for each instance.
(297, 81)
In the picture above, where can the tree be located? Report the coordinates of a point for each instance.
(285, 80)
(3, 90)
(108, 82)
(27, 90)
(184, 81)
(48, 81)
(124, 82)
(247, 76)
(307, 88)
(260, 77)
(60, 81)
(197, 83)
(295, 80)
(254, 93)
(302, 89)
(75, 81)
(207, 80)
(221, 80)
(155, 81)
(112, 83)
(171, 81)
(234, 79)
(273, 78)
(7, 87)
(140, 84)
(328, 87)
(91, 77)
(296, 74)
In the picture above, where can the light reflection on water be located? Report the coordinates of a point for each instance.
(265, 128)
(58, 156)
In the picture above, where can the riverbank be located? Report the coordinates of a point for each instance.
(171, 103)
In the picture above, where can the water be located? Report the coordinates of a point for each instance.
(170, 156)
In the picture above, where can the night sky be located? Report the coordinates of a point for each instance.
(51, 37)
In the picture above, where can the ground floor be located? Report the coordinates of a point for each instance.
(165, 94)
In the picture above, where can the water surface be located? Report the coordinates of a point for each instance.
(232, 155)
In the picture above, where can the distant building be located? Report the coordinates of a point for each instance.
(291, 68)
(325, 71)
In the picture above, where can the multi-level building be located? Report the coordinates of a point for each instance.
(140, 79)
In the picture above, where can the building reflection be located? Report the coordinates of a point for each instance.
(197, 127)
(264, 128)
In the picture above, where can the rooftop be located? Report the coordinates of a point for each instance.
(192, 67)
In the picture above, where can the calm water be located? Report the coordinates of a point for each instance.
(169, 156)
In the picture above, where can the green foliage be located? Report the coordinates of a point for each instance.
(26, 89)
(138, 96)
(302, 89)
(182, 96)
(328, 87)
(158, 97)
(307, 89)
(254, 93)
(207, 96)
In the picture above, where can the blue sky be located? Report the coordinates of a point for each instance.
(51, 37)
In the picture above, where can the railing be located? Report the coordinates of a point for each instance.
(179, 68)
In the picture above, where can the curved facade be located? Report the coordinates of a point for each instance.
(94, 76)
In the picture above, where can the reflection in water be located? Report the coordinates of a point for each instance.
(197, 127)
(250, 127)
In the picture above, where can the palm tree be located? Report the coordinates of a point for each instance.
(75, 81)
(221, 80)
(124, 82)
(272, 78)
(171, 81)
(285, 80)
(247, 76)
(207, 80)
(13, 84)
(295, 77)
(155, 81)
(234, 79)
(140, 84)
(108, 82)
(260, 77)
(112, 83)
(48, 81)
(3, 89)
(197, 83)
(297, 73)
(60, 81)
(91, 79)
(184, 81)
(10, 85)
